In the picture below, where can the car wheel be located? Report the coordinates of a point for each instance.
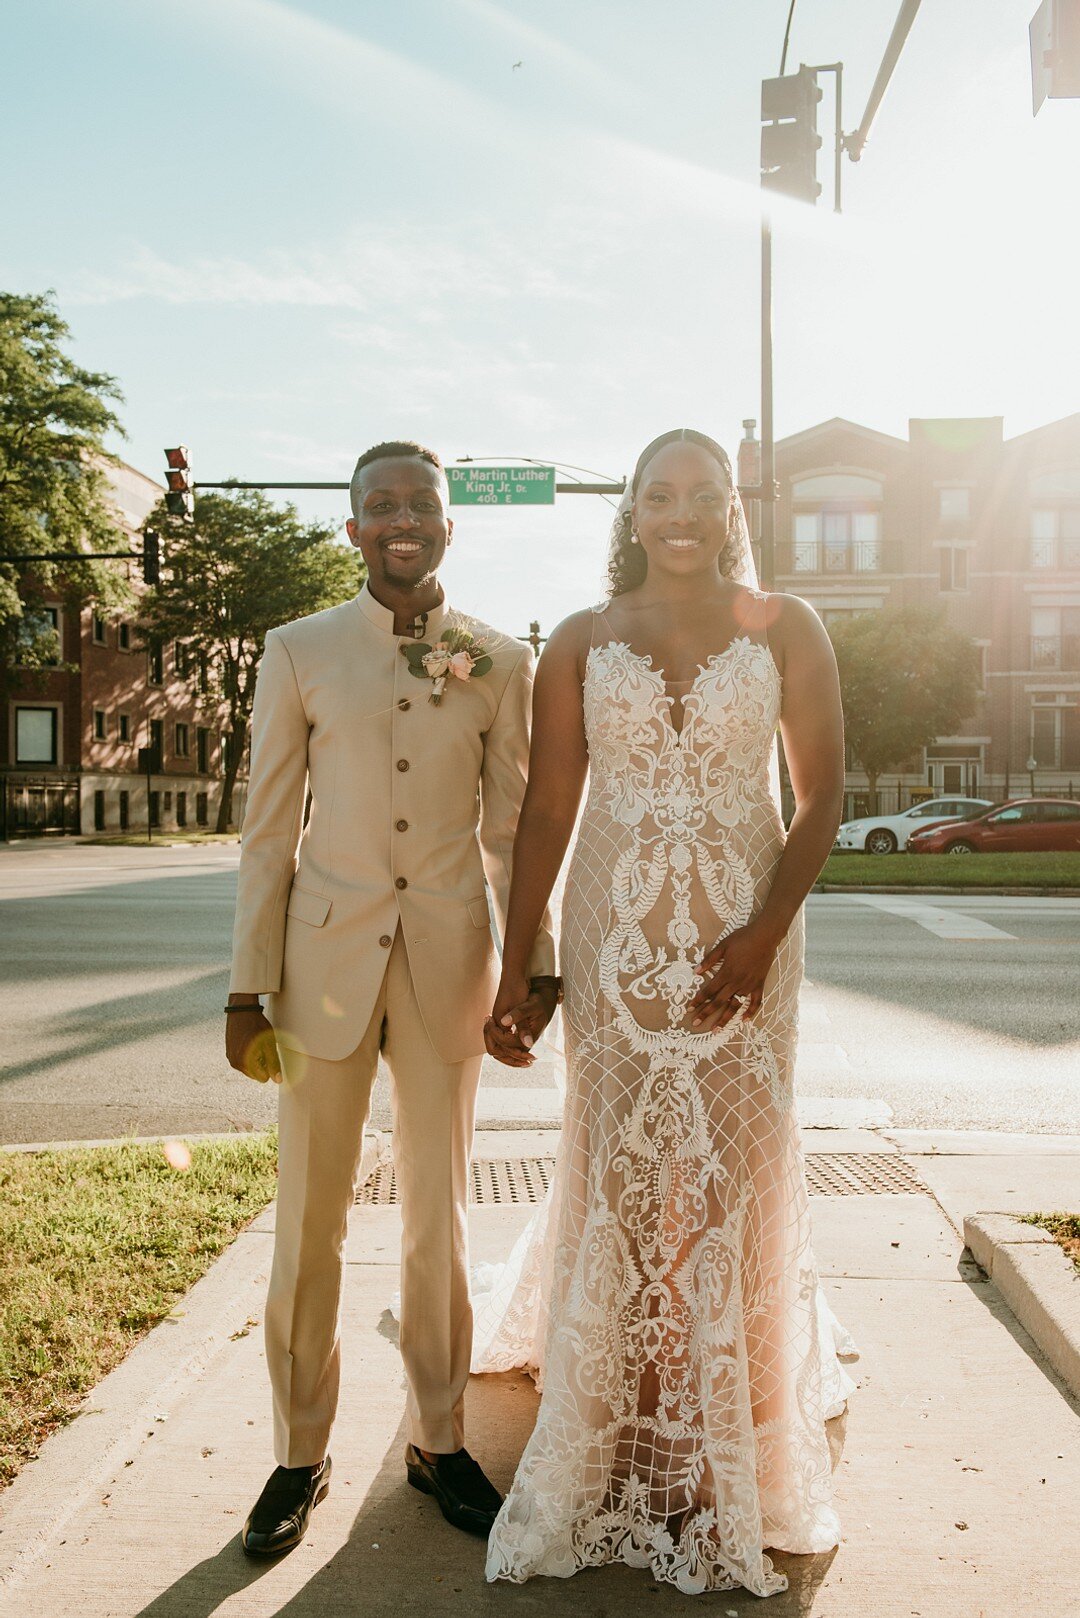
(960, 848)
(880, 841)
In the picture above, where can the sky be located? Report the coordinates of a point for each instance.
(514, 229)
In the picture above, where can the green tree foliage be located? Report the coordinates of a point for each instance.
(906, 677)
(54, 495)
(241, 568)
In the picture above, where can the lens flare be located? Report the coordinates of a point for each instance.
(177, 1155)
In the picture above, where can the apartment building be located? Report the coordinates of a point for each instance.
(70, 736)
(988, 528)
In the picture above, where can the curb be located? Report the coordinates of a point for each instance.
(1039, 1283)
(989, 893)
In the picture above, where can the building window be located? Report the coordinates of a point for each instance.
(181, 741)
(1055, 536)
(100, 725)
(202, 809)
(99, 629)
(39, 633)
(157, 740)
(125, 810)
(182, 659)
(181, 808)
(155, 664)
(202, 748)
(35, 736)
(204, 675)
(155, 809)
(835, 540)
(1055, 638)
(123, 636)
(954, 505)
(123, 727)
(99, 811)
(1055, 732)
(953, 560)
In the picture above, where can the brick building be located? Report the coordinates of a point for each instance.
(987, 527)
(70, 737)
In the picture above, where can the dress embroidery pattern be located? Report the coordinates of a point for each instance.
(687, 1371)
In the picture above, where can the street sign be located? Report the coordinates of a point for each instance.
(501, 485)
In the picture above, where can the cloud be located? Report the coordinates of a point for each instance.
(401, 267)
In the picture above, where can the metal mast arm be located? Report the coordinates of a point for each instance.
(854, 144)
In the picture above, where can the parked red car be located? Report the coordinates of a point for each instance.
(1024, 825)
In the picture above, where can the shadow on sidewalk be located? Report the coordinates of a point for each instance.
(987, 1293)
(402, 1558)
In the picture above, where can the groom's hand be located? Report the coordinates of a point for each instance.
(250, 1045)
(521, 1013)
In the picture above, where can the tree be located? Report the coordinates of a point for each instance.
(53, 488)
(241, 568)
(905, 678)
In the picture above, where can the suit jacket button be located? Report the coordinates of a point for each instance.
(386, 940)
(404, 704)
(401, 883)
(403, 764)
(402, 825)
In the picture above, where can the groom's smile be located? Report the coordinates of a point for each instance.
(400, 524)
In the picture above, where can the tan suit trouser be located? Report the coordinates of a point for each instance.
(322, 1110)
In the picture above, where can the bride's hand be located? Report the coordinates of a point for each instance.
(521, 1012)
(733, 974)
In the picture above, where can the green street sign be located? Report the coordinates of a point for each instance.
(501, 485)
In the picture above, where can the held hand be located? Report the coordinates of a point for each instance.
(521, 1013)
(733, 974)
(250, 1045)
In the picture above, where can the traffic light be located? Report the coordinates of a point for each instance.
(1054, 33)
(151, 557)
(789, 138)
(180, 495)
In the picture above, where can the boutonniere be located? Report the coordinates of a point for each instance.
(455, 655)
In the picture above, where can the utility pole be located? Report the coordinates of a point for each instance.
(789, 146)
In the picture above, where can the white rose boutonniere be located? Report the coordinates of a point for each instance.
(456, 655)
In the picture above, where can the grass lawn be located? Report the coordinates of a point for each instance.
(97, 1244)
(954, 870)
(1064, 1228)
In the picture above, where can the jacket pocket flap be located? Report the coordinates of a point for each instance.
(307, 906)
(478, 912)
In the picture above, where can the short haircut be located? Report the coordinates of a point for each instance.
(393, 449)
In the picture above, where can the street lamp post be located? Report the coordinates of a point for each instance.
(1031, 766)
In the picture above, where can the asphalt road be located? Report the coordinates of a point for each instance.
(955, 1012)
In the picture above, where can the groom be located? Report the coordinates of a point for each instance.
(365, 921)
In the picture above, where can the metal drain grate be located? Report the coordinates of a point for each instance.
(854, 1174)
(526, 1179)
(494, 1181)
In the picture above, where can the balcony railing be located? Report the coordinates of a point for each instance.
(823, 557)
(1055, 652)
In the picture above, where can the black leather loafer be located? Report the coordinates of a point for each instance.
(465, 1496)
(280, 1515)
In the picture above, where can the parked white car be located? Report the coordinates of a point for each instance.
(885, 834)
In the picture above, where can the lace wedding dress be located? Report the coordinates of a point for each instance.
(667, 1291)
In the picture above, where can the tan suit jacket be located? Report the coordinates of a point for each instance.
(412, 806)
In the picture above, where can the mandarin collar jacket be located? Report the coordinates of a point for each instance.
(370, 808)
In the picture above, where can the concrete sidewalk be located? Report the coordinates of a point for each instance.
(958, 1464)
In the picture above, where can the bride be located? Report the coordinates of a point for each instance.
(669, 1295)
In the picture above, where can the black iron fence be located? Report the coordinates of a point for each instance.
(841, 557)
